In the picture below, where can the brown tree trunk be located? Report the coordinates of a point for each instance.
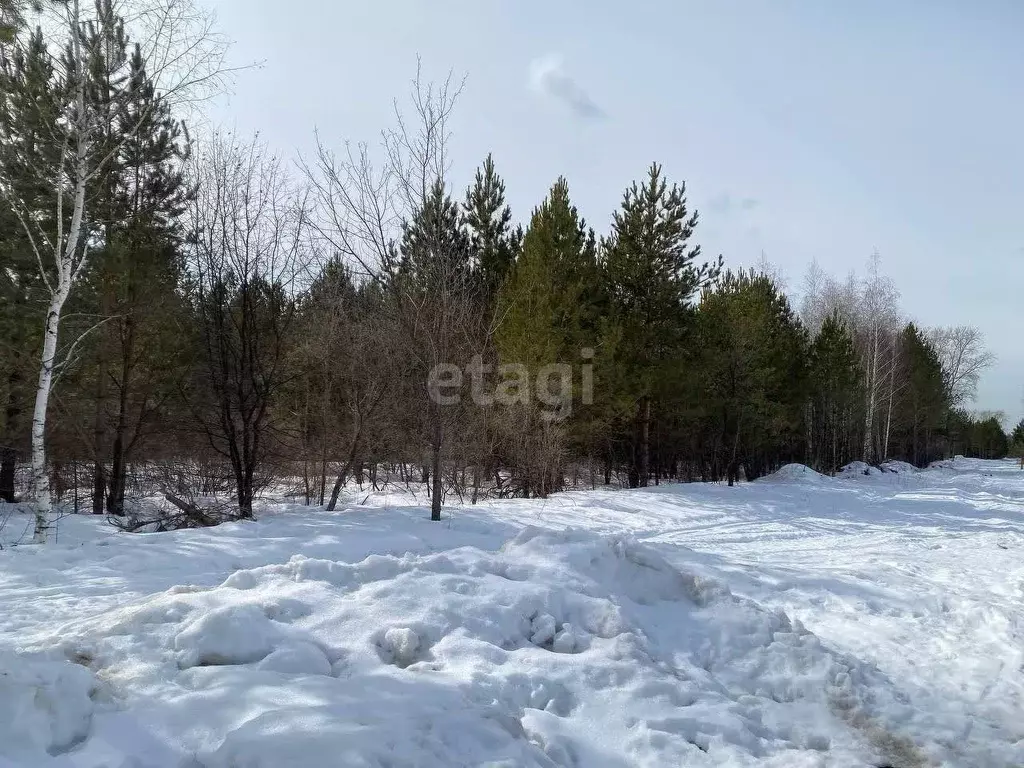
(339, 483)
(99, 484)
(8, 455)
(644, 442)
(246, 490)
(435, 495)
(732, 471)
(119, 449)
(8, 464)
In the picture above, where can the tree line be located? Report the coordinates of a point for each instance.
(194, 317)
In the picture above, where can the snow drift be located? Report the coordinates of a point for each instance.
(668, 626)
(46, 706)
(794, 473)
(559, 649)
(858, 469)
(898, 467)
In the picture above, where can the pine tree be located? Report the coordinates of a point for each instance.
(106, 44)
(435, 249)
(752, 366)
(988, 440)
(62, 253)
(1017, 436)
(653, 274)
(835, 382)
(143, 266)
(495, 243)
(12, 18)
(548, 314)
(923, 400)
(1016, 447)
(28, 145)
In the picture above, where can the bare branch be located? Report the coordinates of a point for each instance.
(961, 350)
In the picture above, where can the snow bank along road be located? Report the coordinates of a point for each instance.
(798, 621)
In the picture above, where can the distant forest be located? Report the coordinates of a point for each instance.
(185, 315)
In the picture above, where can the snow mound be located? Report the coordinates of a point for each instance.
(858, 469)
(400, 646)
(898, 467)
(794, 473)
(958, 462)
(233, 634)
(561, 648)
(46, 707)
(298, 658)
(368, 729)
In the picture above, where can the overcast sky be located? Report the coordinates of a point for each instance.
(804, 130)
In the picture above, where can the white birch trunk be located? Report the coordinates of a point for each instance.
(888, 426)
(69, 266)
(892, 391)
(869, 416)
(183, 46)
(40, 477)
(68, 272)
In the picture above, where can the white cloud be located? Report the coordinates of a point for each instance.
(549, 78)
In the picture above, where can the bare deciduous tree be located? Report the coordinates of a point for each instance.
(247, 255)
(869, 307)
(961, 350)
(364, 211)
(878, 320)
(346, 352)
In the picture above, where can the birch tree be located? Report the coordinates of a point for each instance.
(186, 60)
(61, 255)
(962, 353)
(823, 296)
(878, 314)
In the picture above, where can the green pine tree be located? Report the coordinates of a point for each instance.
(12, 18)
(988, 440)
(1017, 436)
(1016, 447)
(143, 267)
(752, 369)
(29, 156)
(835, 385)
(653, 274)
(547, 304)
(923, 401)
(548, 313)
(489, 220)
(435, 249)
(106, 45)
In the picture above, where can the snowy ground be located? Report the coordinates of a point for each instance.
(798, 621)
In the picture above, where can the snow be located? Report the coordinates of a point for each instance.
(45, 706)
(297, 658)
(793, 473)
(802, 620)
(898, 467)
(858, 468)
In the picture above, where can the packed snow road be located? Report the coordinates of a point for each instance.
(865, 620)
